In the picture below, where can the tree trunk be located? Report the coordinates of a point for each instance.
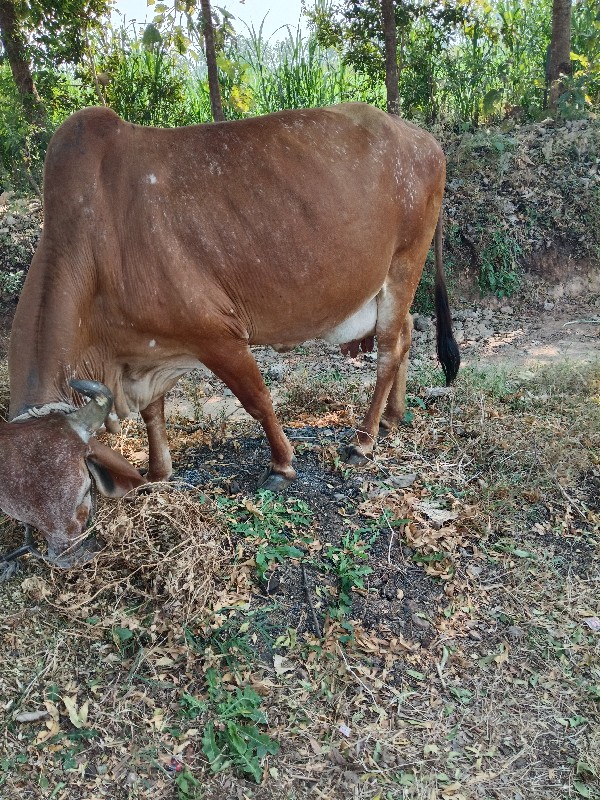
(15, 48)
(391, 56)
(211, 62)
(559, 62)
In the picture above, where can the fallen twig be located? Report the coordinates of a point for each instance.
(573, 502)
(310, 603)
(355, 676)
(187, 428)
(590, 321)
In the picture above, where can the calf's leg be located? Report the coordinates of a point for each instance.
(392, 360)
(394, 328)
(396, 402)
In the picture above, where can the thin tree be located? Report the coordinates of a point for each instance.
(211, 62)
(391, 56)
(559, 61)
(15, 48)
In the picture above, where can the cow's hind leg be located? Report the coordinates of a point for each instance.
(393, 337)
(235, 365)
(396, 402)
(160, 465)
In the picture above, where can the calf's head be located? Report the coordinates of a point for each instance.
(47, 466)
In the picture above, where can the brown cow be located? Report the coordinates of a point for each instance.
(166, 249)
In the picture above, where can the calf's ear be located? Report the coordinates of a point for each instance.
(114, 475)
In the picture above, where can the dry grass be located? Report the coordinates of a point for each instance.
(491, 693)
(162, 547)
(308, 397)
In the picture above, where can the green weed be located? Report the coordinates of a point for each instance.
(234, 639)
(347, 563)
(186, 786)
(500, 271)
(276, 523)
(230, 739)
(11, 283)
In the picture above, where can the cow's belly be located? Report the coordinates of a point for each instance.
(144, 383)
(357, 326)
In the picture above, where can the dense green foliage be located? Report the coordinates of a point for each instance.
(56, 32)
(470, 60)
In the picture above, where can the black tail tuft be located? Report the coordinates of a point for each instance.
(447, 348)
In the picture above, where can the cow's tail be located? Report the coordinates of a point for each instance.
(447, 348)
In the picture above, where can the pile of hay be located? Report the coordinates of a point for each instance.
(165, 548)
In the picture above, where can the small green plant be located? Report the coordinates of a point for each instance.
(500, 272)
(234, 639)
(412, 402)
(274, 521)
(186, 786)
(11, 283)
(347, 563)
(128, 641)
(8, 765)
(230, 739)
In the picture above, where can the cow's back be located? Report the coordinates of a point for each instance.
(281, 217)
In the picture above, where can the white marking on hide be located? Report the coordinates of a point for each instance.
(82, 431)
(152, 343)
(151, 178)
(357, 326)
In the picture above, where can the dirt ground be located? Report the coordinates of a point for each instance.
(422, 627)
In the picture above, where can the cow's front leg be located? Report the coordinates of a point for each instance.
(234, 364)
(160, 465)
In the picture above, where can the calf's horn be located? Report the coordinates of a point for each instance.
(87, 419)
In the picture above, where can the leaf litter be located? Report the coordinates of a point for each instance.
(466, 665)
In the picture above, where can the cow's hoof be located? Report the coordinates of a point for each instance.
(384, 431)
(8, 569)
(273, 481)
(354, 455)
